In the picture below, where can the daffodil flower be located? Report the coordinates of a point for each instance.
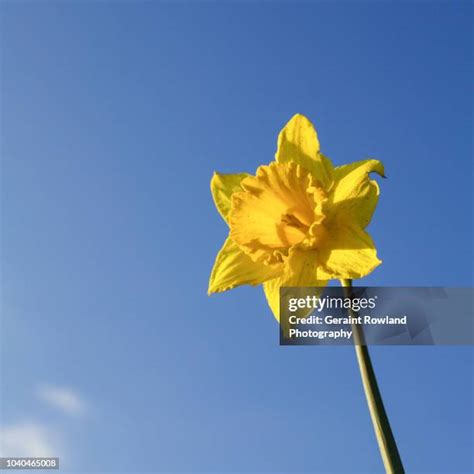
(299, 221)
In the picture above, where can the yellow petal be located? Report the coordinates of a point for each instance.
(274, 211)
(355, 196)
(348, 252)
(233, 268)
(300, 270)
(298, 142)
(222, 188)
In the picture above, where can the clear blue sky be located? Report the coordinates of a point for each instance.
(114, 116)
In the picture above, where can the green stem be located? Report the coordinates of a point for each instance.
(383, 432)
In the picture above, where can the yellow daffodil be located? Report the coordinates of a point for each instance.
(299, 221)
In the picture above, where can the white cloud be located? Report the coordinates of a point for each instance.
(26, 439)
(29, 437)
(64, 399)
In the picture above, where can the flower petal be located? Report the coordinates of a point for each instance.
(348, 252)
(222, 188)
(298, 142)
(354, 195)
(233, 268)
(300, 270)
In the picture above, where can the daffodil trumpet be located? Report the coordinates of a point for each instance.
(301, 221)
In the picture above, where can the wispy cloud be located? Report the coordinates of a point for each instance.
(65, 399)
(26, 439)
(33, 436)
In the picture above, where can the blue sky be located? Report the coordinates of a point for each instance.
(114, 116)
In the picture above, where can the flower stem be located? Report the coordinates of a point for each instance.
(383, 432)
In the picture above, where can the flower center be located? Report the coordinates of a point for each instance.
(293, 221)
(276, 211)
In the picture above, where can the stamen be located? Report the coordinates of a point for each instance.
(293, 221)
